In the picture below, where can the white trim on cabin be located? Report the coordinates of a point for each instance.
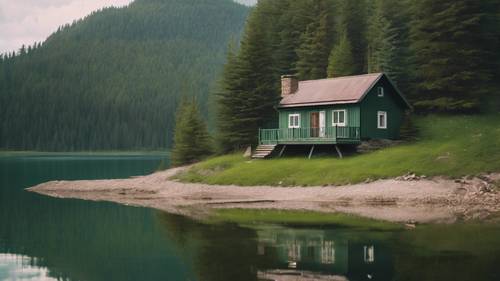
(337, 121)
(369, 254)
(322, 124)
(293, 121)
(382, 120)
(380, 92)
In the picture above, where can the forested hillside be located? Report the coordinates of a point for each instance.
(443, 55)
(113, 80)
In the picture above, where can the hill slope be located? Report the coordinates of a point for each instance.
(113, 80)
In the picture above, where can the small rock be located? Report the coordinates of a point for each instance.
(248, 152)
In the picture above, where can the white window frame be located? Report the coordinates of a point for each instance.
(384, 115)
(381, 92)
(339, 124)
(291, 117)
(369, 254)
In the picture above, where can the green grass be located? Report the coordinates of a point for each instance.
(451, 146)
(302, 218)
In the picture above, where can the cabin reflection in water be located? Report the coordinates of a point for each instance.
(295, 254)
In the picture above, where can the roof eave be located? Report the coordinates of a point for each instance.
(408, 105)
(292, 105)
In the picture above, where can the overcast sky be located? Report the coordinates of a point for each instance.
(29, 21)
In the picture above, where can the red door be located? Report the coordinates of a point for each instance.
(315, 124)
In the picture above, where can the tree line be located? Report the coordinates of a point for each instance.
(443, 55)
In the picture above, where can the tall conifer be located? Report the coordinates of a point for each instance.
(388, 41)
(450, 54)
(352, 21)
(316, 43)
(191, 139)
(341, 62)
(249, 89)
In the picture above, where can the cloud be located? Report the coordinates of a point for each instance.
(24, 22)
(29, 21)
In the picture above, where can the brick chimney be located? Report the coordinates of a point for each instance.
(289, 85)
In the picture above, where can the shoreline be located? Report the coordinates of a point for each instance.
(435, 200)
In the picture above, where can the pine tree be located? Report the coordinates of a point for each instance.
(249, 89)
(341, 62)
(316, 43)
(294, 17)
(450, 54)
(352, 23)
(388, 41)
(191, 139)
(228, 99)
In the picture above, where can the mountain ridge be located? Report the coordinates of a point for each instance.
(112, 80)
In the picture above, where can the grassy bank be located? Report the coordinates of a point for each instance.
(299, 218)
(448, 146)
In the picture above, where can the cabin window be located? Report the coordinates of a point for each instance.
(294, 121)
(381, 92)
(382, 120)
(369, 253)
(339, 118)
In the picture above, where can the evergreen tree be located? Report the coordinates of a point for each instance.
(290, 21)
(352, 23)
(450, 55)
(341, 62)
(316, 43)
(192, 142)
(249, 89)
(388, 41)
(228, 98)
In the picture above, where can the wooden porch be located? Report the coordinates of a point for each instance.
(310, 136)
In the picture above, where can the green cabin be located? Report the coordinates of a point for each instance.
(344, 110)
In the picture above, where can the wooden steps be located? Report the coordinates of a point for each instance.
(263, 151)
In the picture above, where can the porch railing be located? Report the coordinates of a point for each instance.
(308, 135)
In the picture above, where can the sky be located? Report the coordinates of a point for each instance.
(29, 21)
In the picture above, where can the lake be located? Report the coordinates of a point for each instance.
(44, 238)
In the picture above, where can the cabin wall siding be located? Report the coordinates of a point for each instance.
(370, 106)
(353, 115)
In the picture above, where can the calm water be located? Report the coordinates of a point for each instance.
(44, 238)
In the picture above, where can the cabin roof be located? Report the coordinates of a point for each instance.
(341, 90)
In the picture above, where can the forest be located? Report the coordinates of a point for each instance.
(443, 55)
(113, 80)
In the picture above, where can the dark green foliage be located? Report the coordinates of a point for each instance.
(435, 52)
(316, 42)
(113, 80)
(444, 104)
(451, 56)
(388, 41)
(191, 139)
(248, 89)
(341, 61)
(352, 15)
(408, 130)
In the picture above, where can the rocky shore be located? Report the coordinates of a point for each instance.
(407, 198)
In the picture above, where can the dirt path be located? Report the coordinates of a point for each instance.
(397, 200)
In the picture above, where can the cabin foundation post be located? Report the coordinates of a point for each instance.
(338, 151)
(282, 150)
(311, 152)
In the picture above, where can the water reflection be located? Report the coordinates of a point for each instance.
(282, 253)
(42, 237)
(16, 267)
(230, 252)
(317, 253)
